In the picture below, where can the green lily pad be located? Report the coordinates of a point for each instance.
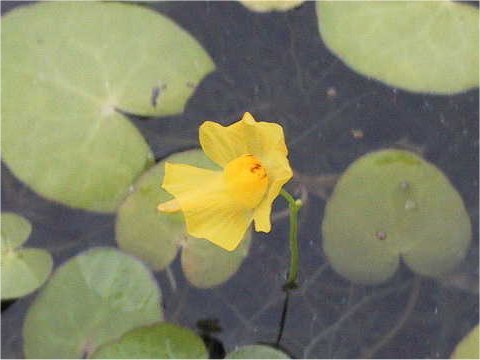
(69, 70)
(206, 265)
(257, 352)
(468, 347)
(271, 5)
(93, 298)
(420, 46)
(23, 270)
(15, 230)
(156, 237)
(144, 232)
(393, 204)
(159, 341)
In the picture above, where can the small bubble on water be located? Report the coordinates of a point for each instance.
(331, 92)
(404, 185)
(410, 204)
(381, 235)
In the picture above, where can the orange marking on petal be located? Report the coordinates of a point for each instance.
(246, 180)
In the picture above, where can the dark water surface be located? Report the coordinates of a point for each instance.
(275, 66)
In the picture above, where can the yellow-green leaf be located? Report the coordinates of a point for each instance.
(69, 71)
(155, 237)
(23, 270)
(420, 46)
(93, 298)
(468, 347)
(159, 341)
(390, 204)
(271, 5)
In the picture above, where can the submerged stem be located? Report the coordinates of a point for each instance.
(294, 206)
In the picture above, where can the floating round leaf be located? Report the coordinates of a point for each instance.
(422, 46)
(92, 299)
(271, 5)
(391, 204)
(23, 270)
(68, 71)
(144, 232)
(468, 347)
(159, 341)
(155, 237)
(15, 230)
(206, 265)
(257, 352)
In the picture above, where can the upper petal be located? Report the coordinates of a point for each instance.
(210, 212)
(247, 136)
(222, 143)
(262, 137)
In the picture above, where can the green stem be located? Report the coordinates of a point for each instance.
(294, 206)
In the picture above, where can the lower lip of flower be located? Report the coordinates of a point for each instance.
(246, 180)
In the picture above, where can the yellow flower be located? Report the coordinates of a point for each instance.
(220, 205)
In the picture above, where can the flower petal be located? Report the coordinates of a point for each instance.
(222, 143)
(263, 137)
(210, 212)
(247, 136)
(279, 173)
(267, 142)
